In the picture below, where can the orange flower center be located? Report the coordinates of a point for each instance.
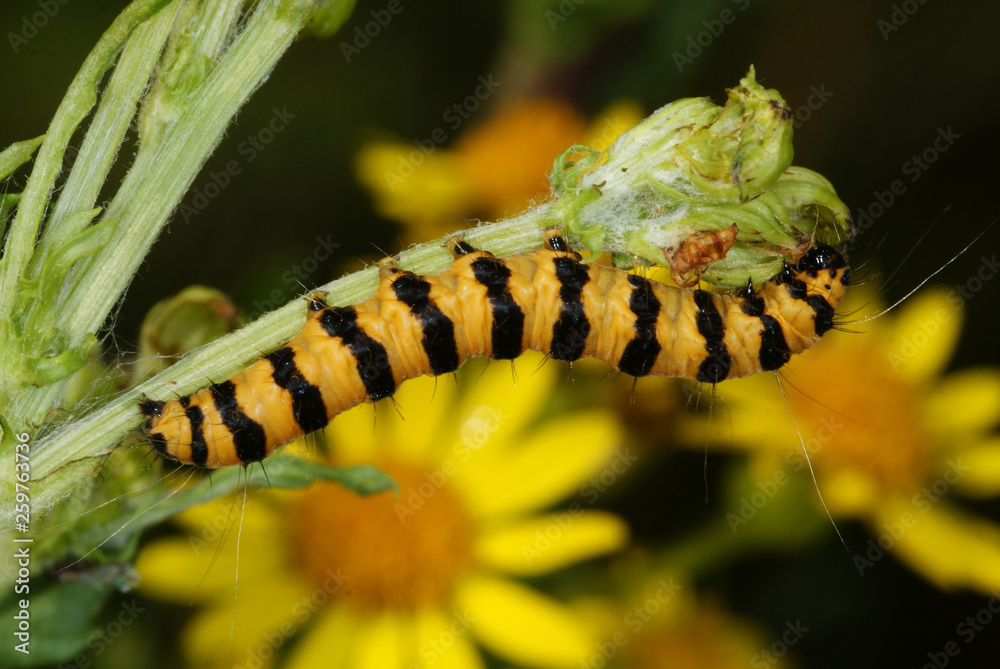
(859, 414)
(392, 551)
(506, 159)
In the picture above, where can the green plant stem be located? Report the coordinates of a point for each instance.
(79, 99)
(161, 174)
(101, 431)
(195, 114)
(106, 131)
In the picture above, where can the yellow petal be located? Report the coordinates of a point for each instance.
(445, 642)
(612, 122)
(556, 460)
(213, 519)
(411, 185)
(331, 643)
(352, 434)
(546, 543)
(506, 398)
(496, 410)
(968, 401)
(982, 479)
(381, 642)
(260, 621)
(747, 389)
(948, 547)
(505, 158)
(425, 433)
(197, 568)
(754, 417)
(165, 570)
(849, 492)
(304, 447)
(521, 625)
(924, 334)
(170, 569)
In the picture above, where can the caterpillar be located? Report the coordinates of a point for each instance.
(547, 300)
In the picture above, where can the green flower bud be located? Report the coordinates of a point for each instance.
(192, 318)
(328, 18)
(813, 206)
(692, 168)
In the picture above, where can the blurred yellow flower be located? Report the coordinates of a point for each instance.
(662, 621)
(493, 170)
(893, 442)
(408, 579)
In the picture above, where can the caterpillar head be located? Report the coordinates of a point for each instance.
(152, 410)
(820, 278)
(819, 262)
(824, 270)
(823, 257)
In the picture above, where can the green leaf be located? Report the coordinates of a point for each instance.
(41, 370)
(285, 471)
(328, 18)
(282, 472)
(18, 154)
(42, 295)
(59, 617)
(7, 204)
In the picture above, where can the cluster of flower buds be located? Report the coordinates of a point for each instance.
(708, 191)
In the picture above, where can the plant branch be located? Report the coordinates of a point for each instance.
(96, 434)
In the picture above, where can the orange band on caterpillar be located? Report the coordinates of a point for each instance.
(546, 301)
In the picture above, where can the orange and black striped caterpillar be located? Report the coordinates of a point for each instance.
(547, 300)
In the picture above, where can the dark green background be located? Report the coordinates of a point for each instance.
(890, 97)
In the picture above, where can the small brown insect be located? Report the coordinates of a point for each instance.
(699, 249)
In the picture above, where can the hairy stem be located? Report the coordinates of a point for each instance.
(96, 434)
(206, 74)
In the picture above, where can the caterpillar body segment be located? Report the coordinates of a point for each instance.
(547, 301)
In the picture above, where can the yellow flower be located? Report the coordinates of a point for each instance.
(894, 444)
(408, 579)
(496, 169)
(662, 621)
